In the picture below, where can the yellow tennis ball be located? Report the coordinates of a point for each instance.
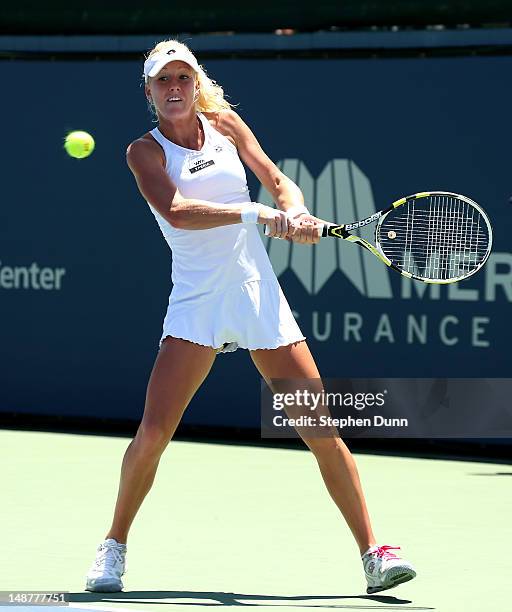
(79, 144)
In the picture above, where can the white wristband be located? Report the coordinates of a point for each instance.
(250, 212)
(297, 210)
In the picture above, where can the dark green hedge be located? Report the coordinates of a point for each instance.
(158, 16)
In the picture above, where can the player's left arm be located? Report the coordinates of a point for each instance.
(285, 193)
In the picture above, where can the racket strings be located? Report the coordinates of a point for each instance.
(442, 238)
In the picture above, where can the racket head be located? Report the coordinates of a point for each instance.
(435, 237)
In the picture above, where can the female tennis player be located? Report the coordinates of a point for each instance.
(225, 294)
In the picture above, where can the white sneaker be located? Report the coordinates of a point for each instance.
(108, 567)
(385, 570)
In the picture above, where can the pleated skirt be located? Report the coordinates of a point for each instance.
(254, 315)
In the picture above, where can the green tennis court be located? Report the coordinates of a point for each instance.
(228, 525)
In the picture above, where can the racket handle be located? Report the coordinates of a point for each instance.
(324, 230)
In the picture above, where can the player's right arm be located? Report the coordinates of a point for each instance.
(147, 163)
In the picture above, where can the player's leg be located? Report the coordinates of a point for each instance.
(335, 461)
(383, 569)
(179, 370)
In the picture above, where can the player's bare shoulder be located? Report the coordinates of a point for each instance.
(226, 122)
(142, 151)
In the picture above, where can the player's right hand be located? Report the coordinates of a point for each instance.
(278, 223)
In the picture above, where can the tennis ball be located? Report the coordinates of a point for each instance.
(79, 144)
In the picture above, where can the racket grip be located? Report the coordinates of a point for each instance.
(324, 230)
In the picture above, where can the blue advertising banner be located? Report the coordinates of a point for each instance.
(85, 272)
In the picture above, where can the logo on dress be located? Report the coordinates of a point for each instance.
(218, 148)
(200, 164)
(171, 51)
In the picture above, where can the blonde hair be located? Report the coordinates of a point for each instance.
(211, 95)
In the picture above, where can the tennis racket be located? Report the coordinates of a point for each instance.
(434, 237)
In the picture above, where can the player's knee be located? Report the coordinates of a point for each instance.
(153, 437)
(322, 447)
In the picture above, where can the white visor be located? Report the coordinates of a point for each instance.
(157, 61)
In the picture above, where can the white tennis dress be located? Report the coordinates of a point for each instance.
(225, 293)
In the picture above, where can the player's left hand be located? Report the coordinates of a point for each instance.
(309, 231)
(302, 228)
